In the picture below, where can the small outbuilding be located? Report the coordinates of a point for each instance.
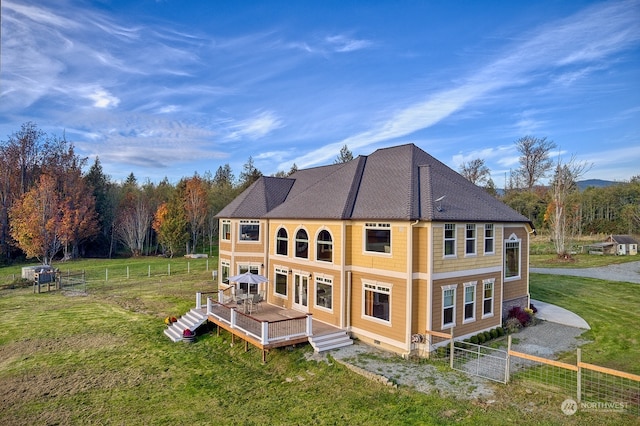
(622, 245)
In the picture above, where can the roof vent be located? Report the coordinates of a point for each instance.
(439, 203)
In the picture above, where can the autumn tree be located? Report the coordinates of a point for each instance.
(36, 221)
(534, 159)
(170, 224)
(195, 207)
(345, 155)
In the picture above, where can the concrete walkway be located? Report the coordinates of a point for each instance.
(553, 313)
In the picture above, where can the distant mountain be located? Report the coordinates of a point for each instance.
(596, 183)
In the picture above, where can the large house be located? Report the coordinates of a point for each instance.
(385, 247)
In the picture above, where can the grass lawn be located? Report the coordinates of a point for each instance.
(101, 358)
(610, 308)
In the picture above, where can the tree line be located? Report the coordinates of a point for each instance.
(559, 207)
(50, 208)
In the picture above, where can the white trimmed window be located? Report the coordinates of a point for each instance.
(470, 239)
(377, 237)
(512, 257)
(280, 286)
(487, 298)
(282, 242)
(324, 292)
(226, 230)
(448, 306)
(469, 302)
(302, 244)
(489, 241)
(225, 266)
(249, 230)
(377, 301)
(449, 239)
(324, 246)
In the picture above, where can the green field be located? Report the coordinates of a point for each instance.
(100, 357)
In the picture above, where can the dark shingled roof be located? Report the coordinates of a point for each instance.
(401, 182)
(623, 239)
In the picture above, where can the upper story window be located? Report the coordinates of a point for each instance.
(488, 238)
(377, 237)
(512, 257)
(226, 267)
(449, 239)
(226, 230)
(282, 242)
(470, 239)
(324, 249)
(249, 230)
(302, 244)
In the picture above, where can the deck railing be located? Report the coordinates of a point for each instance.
(266, 332)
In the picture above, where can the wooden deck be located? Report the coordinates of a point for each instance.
(267, 327)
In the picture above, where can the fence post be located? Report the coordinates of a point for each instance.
(106, 274)
(579, 377)
(169, 269)
(507, 364)
(188, 267)
(207, 264)
(451, 350)
(149, 272)
(127, 271)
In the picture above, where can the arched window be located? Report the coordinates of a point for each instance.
(302, 244)
(324, 247)
(282, 242)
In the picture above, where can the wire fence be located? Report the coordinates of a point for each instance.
(586, 386)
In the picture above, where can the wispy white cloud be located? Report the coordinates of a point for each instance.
(589, 36)
(255, 127)
(341, 43)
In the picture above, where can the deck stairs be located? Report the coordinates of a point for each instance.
(191, 320)
(326, 342)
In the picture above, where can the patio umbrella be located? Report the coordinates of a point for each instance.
(248, 278)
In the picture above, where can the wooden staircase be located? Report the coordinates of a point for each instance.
(326, 342)
(191, 320)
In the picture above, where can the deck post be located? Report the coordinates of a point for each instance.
(198, 300)
(264, 339)
(233, 317)
(221, 296)
(309, 325)
(209, 306)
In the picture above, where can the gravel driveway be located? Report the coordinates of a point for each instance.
(546, 339)
(626, 272)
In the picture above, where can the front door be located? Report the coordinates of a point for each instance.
(301, 292)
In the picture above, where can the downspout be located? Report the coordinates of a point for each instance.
(430, 278)
(409, 310)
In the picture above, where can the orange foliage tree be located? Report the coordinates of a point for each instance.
(36, 221)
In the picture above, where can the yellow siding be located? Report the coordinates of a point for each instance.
(420, 249)
(395, 261)
(398, 311)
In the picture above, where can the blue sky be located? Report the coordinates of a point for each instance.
(169, 88)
